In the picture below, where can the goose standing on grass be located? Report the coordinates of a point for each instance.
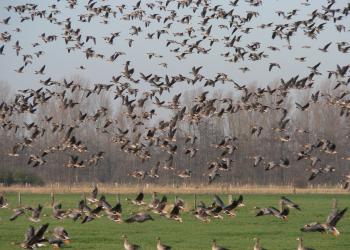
(128, 245)
(161, 246)
(257, 245)
(214, 246)
(301, 245)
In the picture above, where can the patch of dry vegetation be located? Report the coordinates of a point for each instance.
(175, 189)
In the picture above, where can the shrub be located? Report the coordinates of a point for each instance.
(9, 177)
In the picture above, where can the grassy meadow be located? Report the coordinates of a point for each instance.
(233, 233)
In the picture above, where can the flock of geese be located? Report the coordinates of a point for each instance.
(127, 87)
(198, 37)
(85, 213)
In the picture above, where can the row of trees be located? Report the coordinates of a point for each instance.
(320, 121)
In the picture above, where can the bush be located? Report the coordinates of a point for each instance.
(9, 177)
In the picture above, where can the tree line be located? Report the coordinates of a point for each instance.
(252, 133)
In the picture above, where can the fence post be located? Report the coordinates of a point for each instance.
(19, 198)
(52, 199)
(195, 201)
(229, 198)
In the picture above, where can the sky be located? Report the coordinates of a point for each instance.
(60, 64)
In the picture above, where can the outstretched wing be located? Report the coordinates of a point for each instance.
(334, 217)
(175, 211)
(218, 201)
(139, 197)
(94, 192)
(38, 234)
(285, 211)
(29, 234)
(240, 199)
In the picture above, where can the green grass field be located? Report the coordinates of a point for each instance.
(233, 233)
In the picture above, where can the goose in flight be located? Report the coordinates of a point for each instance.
(6, 20)
(36, 214)
(257, 160)
(325, 48)
(175, 213)
(229, 209)
(93, 198)
(201, 213)
(17, 212)
(20, 70)
(280, 214)
(346, 181)
(289, 203)
(41, 71)
(34, 238)
(274, 65)
(140, 217)
(320, 170)
(185, 174)
(59, 237)
(3, 201)
(329, 226)
(93, 214)
(138, 200)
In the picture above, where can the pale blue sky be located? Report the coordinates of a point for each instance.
(60, 64)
